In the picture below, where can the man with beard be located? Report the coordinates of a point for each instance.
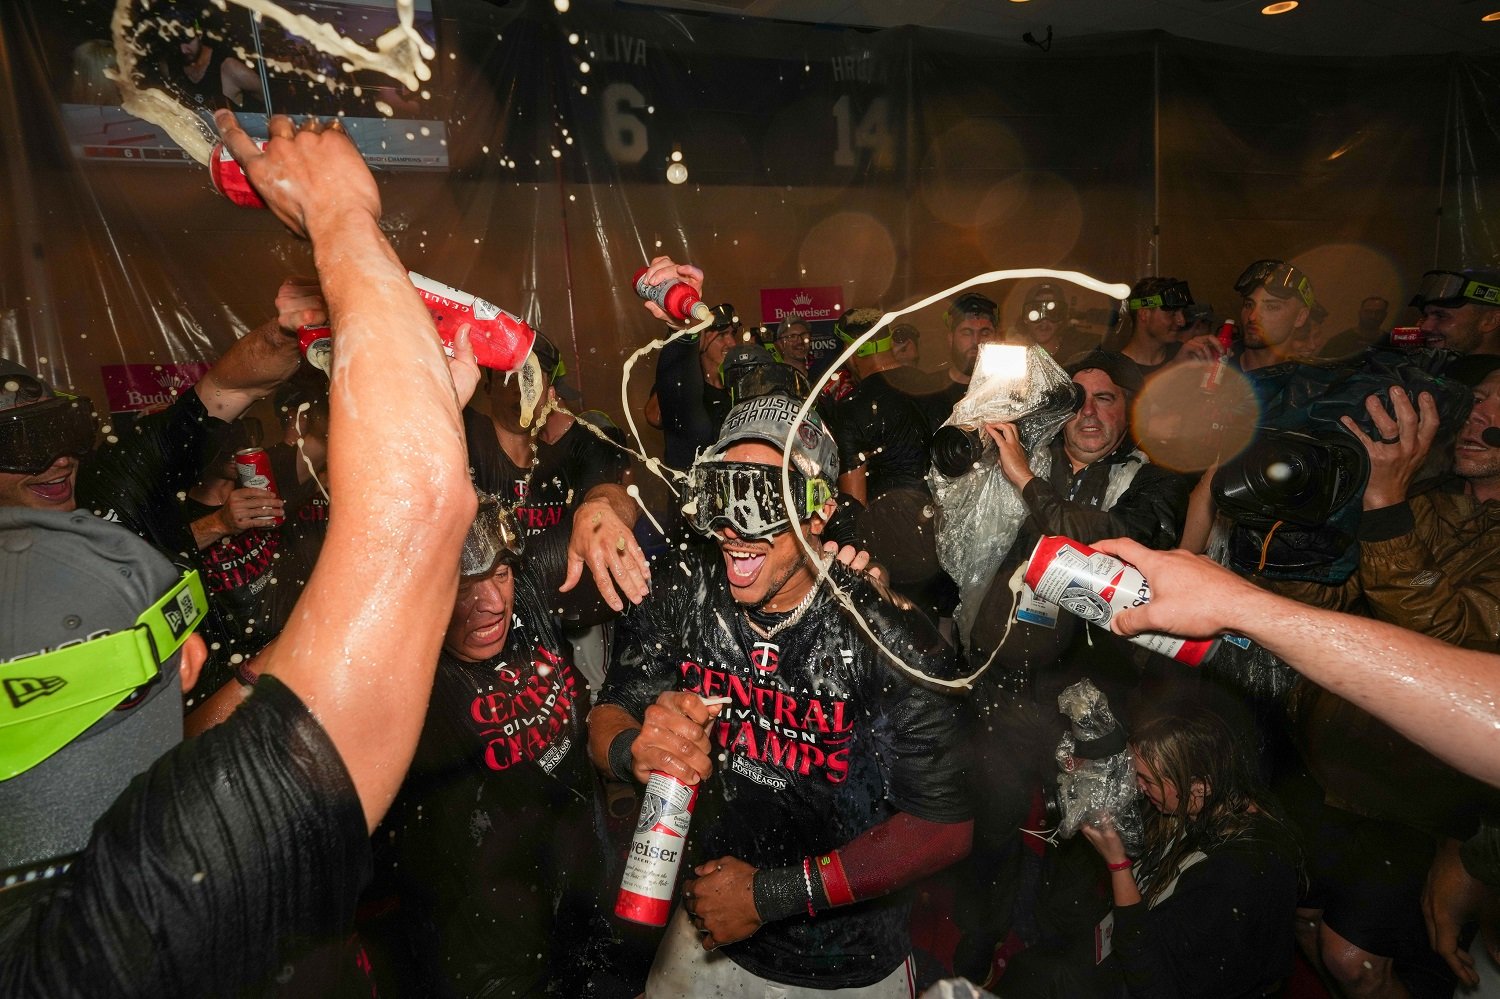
(1277, 304)
(833, 776)
(971, 320)
(1460, 310)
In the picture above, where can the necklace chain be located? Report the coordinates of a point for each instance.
(795, 615)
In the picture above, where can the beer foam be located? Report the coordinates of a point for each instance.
(401, 53)
(1118, 291)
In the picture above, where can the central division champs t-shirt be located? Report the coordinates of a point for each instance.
(825, 738)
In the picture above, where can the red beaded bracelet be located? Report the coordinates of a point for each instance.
(1123, 865)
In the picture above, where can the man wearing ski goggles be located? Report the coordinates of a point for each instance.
(1460, 310)
(42, 436)
(734, 496)
(1155, 317)
(1278, 303)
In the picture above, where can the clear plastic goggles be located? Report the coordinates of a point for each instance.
(1278, 277)
(1449, 286)
(33, 436)
(746, 497)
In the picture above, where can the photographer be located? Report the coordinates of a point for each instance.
(1206, 910)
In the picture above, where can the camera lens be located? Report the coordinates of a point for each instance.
(956, 450)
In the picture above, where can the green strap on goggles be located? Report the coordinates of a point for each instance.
(870, 347)
(51, 699)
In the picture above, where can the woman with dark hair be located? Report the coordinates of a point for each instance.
(1206, 910)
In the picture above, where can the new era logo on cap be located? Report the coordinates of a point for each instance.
(186, 614)
(22, 690)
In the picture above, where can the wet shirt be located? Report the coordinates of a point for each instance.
(824, 739)
(691, 408)
(496, 811)
(883, 429)
(206, 873)
(237, 569)
(566, 469)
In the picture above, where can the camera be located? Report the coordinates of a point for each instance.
(1294, 477)
(957, 449)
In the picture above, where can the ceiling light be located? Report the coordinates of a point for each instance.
(1492, 16)
(1279, 8)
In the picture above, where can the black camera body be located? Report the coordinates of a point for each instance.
(957, 450)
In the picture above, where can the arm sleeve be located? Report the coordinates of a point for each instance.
(679, 385)
(546, 563)
(900, 850)
(137, 480)
(1406, 582)
(639, 669)
(1151, 511)
(212, 870)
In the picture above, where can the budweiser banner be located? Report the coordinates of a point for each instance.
(131, 388)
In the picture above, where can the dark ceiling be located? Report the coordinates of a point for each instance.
(1333, 27)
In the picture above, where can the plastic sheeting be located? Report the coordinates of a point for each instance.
(884, 163)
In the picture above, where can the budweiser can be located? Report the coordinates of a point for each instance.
(229, 177)
(500, 340)
(317, 346)
(1408, 338)
(1092, 585)
(656, 850)
(676, 298)
(252, 465)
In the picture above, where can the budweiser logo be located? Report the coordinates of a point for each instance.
(801, 299)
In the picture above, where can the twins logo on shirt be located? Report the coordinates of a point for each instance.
(777, 729)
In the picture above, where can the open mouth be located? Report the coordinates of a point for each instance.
(55, 490)
(744, 565)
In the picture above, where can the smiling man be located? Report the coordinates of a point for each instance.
(1460, 310)
(499, 792)
(832, 777)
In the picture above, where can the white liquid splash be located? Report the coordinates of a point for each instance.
(1119, 291)
(401, 53)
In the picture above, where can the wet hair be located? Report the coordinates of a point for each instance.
(1180, 749)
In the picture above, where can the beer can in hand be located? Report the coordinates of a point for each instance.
(1094, 586)
(229, 177)
(252, 466)
(656, 850)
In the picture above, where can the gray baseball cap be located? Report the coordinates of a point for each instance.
(68, 577)
(771, 419)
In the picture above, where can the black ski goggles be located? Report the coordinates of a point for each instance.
(1450, 287)
(33, 436)
(745, 496)
(1169, 299)
(1279, 278)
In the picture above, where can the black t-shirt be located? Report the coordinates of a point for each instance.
(937, 406)
(237, 569)
(495, 815)
(824, 737)
(137, 480)
(883, 429)
(231, 854)
(565, 470)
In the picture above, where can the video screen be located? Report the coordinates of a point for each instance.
(207, 59)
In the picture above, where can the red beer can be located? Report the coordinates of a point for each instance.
(317, 346)
(656, 850)
(229, 177)
(1408, 338)
(1093, 586)
(252, 465)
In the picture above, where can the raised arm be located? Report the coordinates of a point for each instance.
(1437, 695)
(362, 644)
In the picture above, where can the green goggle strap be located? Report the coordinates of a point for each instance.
(83, 675)
(1478, 291)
